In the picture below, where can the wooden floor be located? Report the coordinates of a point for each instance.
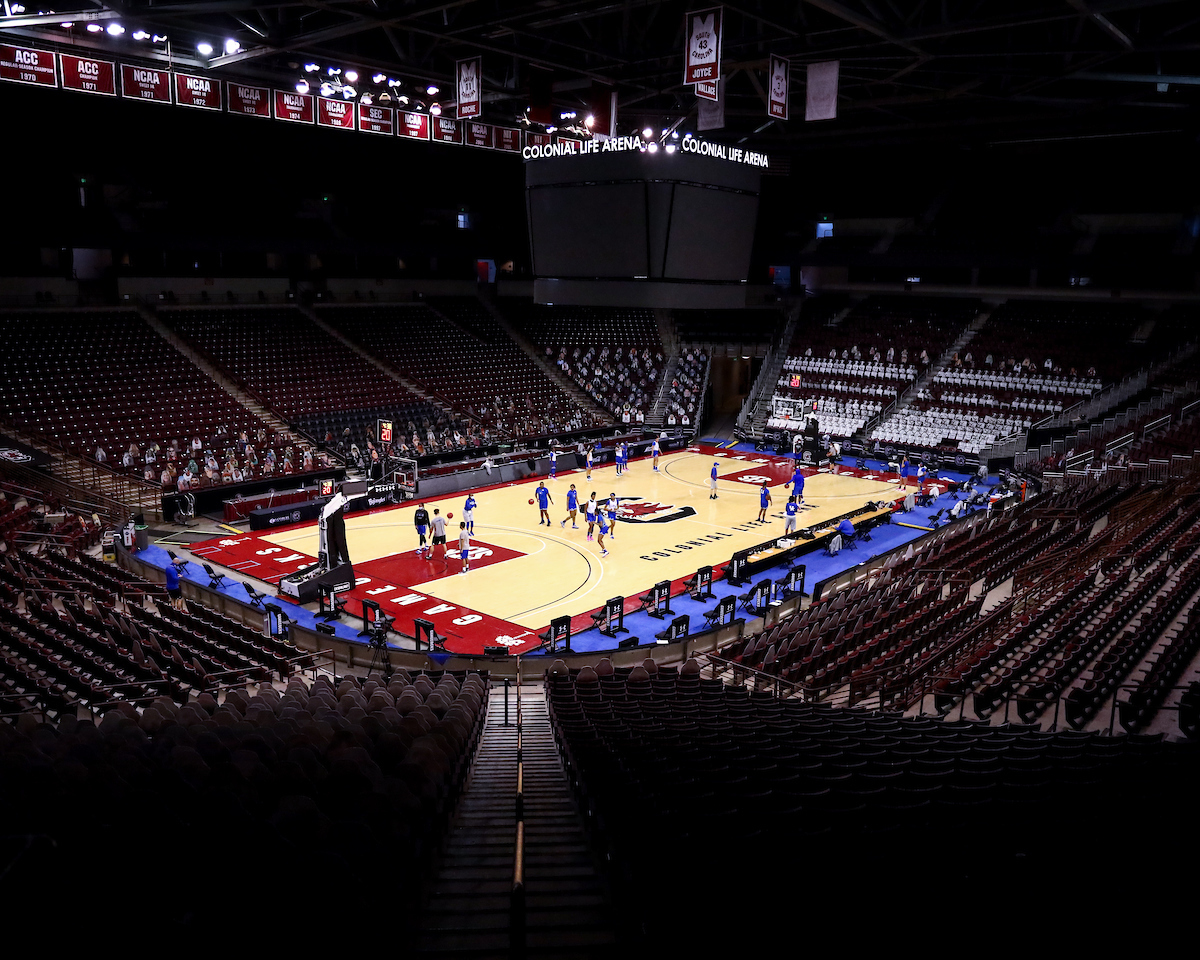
(669, 527)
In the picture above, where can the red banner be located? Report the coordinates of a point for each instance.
(335, 113)
(445, 130)
(477, 134)
(372, 119)
(777, 87)
(414, 125)
(88, 75)
(201, 92)
(27, 65)
(250, 101)
(707, 91)
(506, 138)
(468, 75)
(145, 83)
(537, 139)
(702, 53)
(293, 107)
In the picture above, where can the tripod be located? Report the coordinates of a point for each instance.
(380, 655)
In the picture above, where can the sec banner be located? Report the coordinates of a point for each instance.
(293, 107)
(145, 83)
(777, 88)
(27, 65)
(88, 75)
(469, 77)
(249, 101)
(335, 113)
(702, 53)
(200, 92)
(414, 125)
(373, 119)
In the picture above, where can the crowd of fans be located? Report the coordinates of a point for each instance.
(686, 391)
(621, 379)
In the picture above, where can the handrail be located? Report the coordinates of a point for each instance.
(516, 927)
(760, 677)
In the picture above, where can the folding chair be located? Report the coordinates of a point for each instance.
(177, 562)
(215, 580)
(256, 597)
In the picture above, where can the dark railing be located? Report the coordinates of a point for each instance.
(516, 926)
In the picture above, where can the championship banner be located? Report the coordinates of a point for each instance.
(507, 139)
(372, 119)
(87, 75)
(707, 90)
(335, 113)
(249, 101)
(822, 91)
(468, 76)
(538, 139)
(145, 83)
(702, 54)
(293, 107)
(200, 92)
(777, 88)
(445, 130)
(477, 134)
(27, 65)
(414, 125)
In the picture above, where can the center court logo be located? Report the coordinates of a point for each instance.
(637, 510)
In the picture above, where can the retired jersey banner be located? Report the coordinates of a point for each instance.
(88, 75)
(710, 114)
(373, 119)
(201, 92)
(335, 113)
(777, 88)
(707, 90)
(468, 75)
(145, 83)
(249, 101)
(507, 139)
(414, 125)
(822, 91)
(27, 65)
(445, 130)
(293, 107)
(702, 53)
(477, 134)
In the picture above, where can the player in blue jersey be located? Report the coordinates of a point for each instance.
(589, 463)
(611, 509)
(712, 482)
(625, 457)
(543, 502)
(590, 511)
(469, 515)
(764, 501)
(421, 521)
(600, 537)
(791, 509)
(654, 450)
(553, 462)
(572, 508)
(464, 547)
(618, 459)
(798, 484)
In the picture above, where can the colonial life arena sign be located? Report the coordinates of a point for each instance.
(703, 148)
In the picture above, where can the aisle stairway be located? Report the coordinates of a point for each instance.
(469, 904)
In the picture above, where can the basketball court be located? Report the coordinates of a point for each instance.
(524, 574)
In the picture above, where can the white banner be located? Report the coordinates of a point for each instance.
(702, 54)
(468, 75)
(822, 91)
(777, 88)
(710, 114)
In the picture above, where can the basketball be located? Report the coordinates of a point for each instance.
(531, 501)
(449, 516)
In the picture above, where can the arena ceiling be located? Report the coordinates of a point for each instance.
(912, 71)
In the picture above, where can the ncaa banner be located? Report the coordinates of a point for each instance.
(338, 114)
(702, 53)
(777, 88)
(199, 92)
(294, 107)
(145, 83)
(247, 100)
(414, 125)
(468, 75)
(822, 91)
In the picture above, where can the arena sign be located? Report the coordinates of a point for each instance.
(703, 148)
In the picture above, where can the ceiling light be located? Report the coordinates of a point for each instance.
(385, 97)
(140, 35)
(653, 148)
(352, 76)
(115, 29)
(94, 28)
(232, 46)
(404, 100)
(349, 92)
(431, 90)
(311, 67)
(159, 38)
(647, 133)
(379, 78)
(366, 100)
(327, 89)
(589, 121)
(670, 148)
(204, 48)
(302, 86)
(435, 109)
(674, 134)
(333, 71)
(17, 8)
(551, 129)
(66, 24)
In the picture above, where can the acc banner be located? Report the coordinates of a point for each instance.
(27, 65)
(88, 75)
(777, 87)
(250, 101)
(197, 92)
(469, 74)
(822, 92)
(702, 55)
(414, 125)
(145, 83)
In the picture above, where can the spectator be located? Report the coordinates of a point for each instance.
(101, 456)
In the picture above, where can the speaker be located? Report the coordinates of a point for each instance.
(627, 643)
(495, 650)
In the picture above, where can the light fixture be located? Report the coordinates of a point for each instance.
(327, 89)
(95, 28)
(379, 78)
(349, 92)
(670, 148)
(140, 35)
(551, 129)
(395, 83)
(674, 134)
(159, 38)
(311, 67)
(302, 86)
(66, 24)
(435, 109)
(431, 90)
(366, 99)
(333, 71)
(17, 8)
(232, 46)
(115, 29)
(653, 148)
(385, 97)
(647, 133)
(352, 76)
(404, 100)
(204, 48)
(589, 121)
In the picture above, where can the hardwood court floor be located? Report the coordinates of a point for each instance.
(668, 527)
